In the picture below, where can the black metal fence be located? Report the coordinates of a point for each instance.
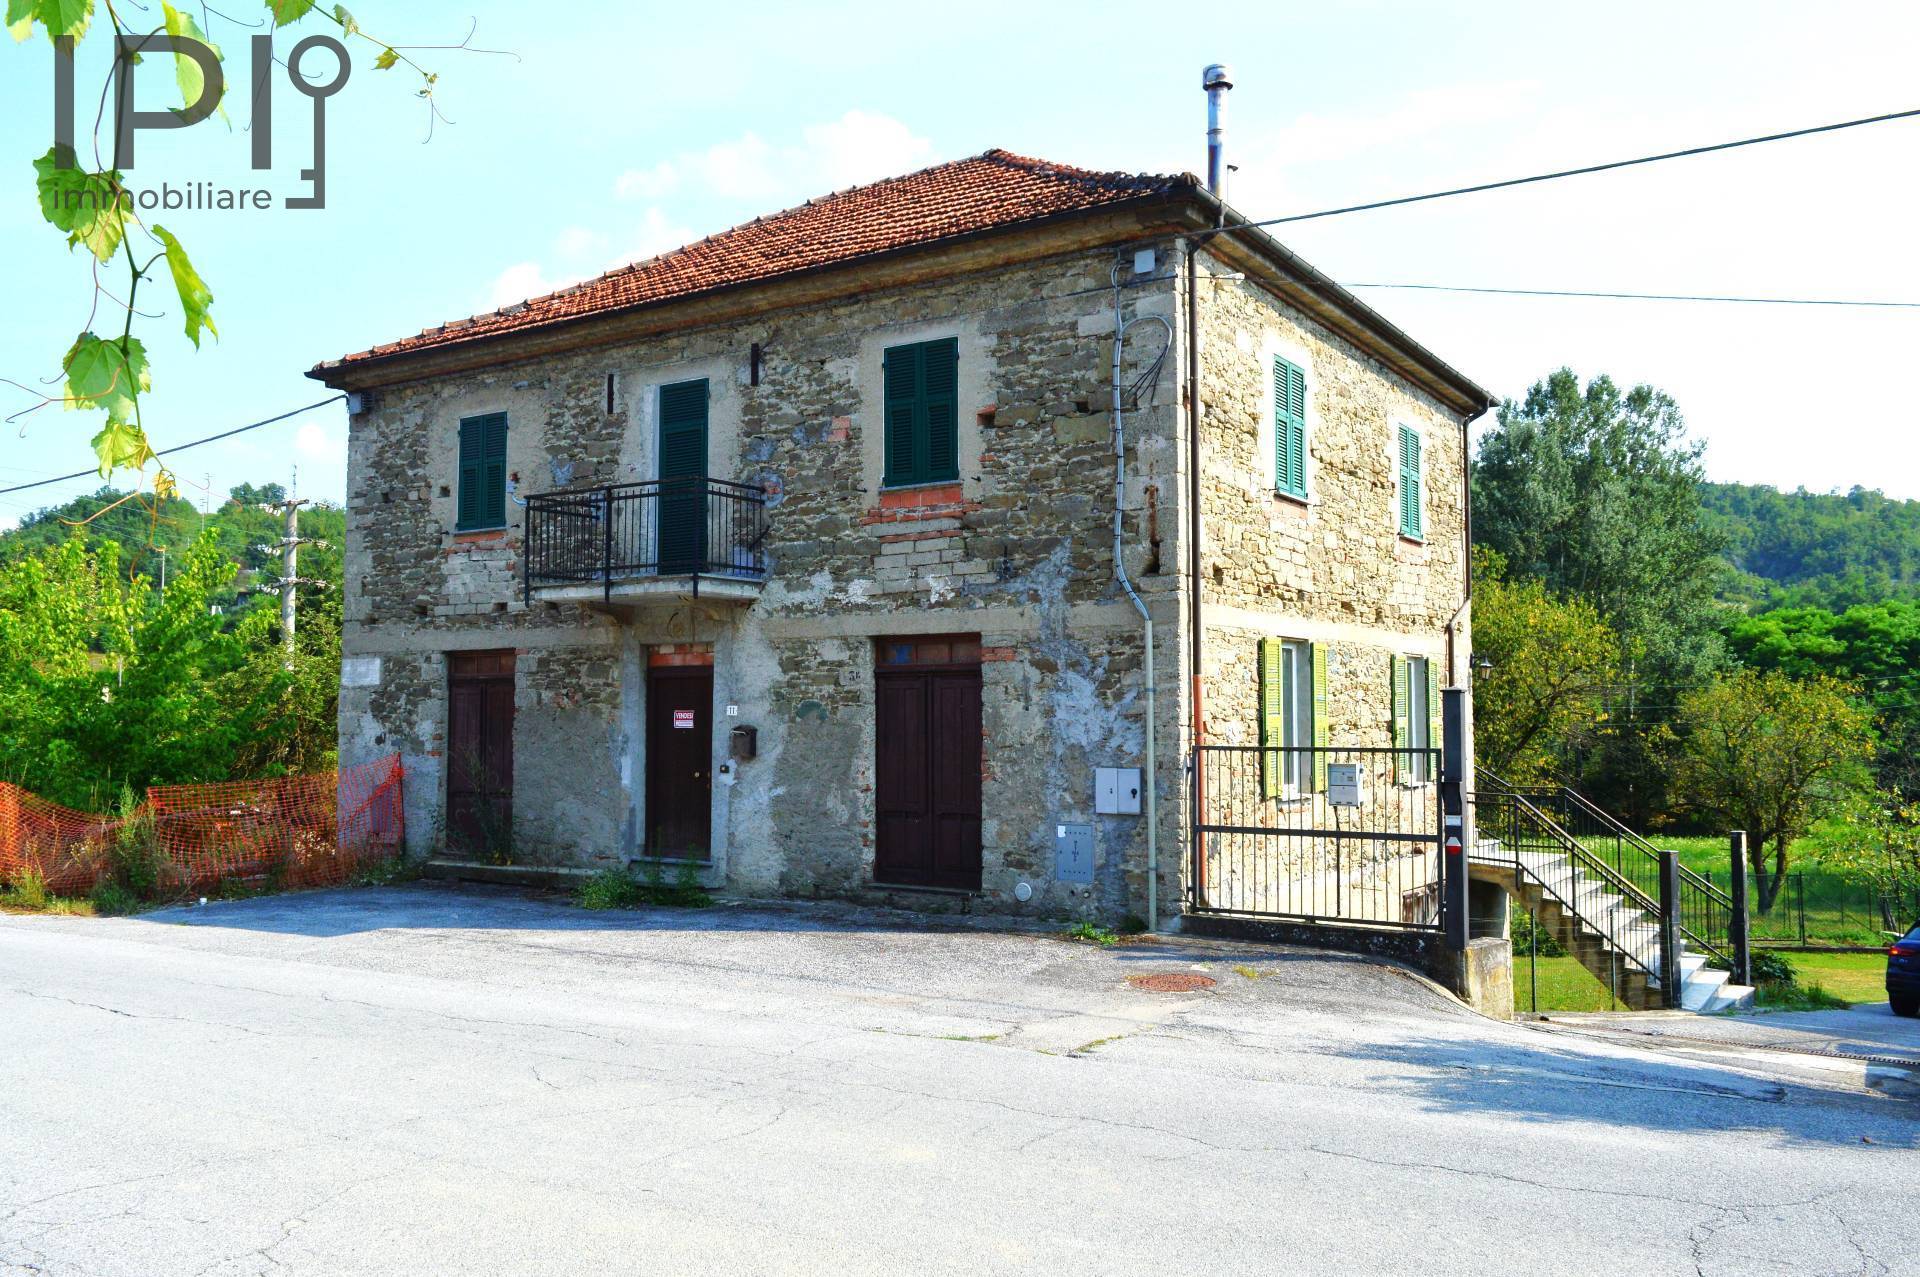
(1811, 909)
(663, 527)
(1317, 834)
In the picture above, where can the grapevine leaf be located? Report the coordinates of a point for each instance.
(287, 12)
(192, 79)
(107, 374)
(60, 17)
(346, 20)
(89, 207)
(20, 17)
(195, 296)
(386, 61)
(121, 443)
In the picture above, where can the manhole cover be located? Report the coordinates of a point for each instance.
(1171, 982)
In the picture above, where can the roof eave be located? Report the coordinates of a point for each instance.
(1342, 310)
(515, 344)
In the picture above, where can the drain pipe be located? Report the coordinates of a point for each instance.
(1120, 326)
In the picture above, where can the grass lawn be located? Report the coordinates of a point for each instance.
(1565, 985)
(1855, 977)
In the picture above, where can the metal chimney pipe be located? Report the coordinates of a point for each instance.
(1216, 80)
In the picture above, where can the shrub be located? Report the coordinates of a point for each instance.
(111, 898)
(1526, 935)
(28, 891)
(618, 889)
(1772, 968)
(1092, 933)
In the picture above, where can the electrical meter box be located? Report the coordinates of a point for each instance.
(1073, 853)
(1116, 791)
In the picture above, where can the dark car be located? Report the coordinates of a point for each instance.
(1903, 974)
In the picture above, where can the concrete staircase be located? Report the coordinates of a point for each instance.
(1612, 936)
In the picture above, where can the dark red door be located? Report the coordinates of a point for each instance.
(680, 761)
(480, 753)
(927, 773)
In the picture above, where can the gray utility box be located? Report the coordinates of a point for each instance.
(1073, 853)
(1116, 791)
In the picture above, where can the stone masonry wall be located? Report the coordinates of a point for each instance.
(1018, 551)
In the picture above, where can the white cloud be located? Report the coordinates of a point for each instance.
(721, 184)
(517, 283)
(648, 183)
(320, 443)
(655, 234)
(860, 146)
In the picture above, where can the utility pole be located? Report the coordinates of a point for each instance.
(163, 568)
(290, 579)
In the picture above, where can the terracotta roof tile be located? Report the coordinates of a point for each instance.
(984, 192)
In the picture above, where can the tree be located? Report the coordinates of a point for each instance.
(106, 682)
(108, 370)
(1882, 853)
(1874, 646)
(1771, 754)
(1595, 493)
(1547, 665)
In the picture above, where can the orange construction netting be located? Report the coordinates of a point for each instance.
(292, 831)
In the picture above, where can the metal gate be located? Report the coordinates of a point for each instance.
(1318, 834)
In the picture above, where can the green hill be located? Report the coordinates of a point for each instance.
(143, 528)
(1798, 549)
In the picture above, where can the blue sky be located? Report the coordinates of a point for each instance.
(632, 128)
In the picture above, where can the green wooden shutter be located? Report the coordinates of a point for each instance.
(1433, 713)
(682, 520)
(1400, 712)
(1289, 429)
(901, 394)
(1272, 718)
(921, 403)
(1409, 482)
(481, 499)
(1322, 723)
(940, 400)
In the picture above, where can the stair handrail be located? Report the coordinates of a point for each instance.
(1692, 883)
(1596, 867)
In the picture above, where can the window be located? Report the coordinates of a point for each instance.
(482, 500)
(922, 410)
(1289, 429)
(1410, 511)
(1416, 708)
(940, 649)
(1292, 717)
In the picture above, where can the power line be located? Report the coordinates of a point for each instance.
(182, 447)
(1645, 297)
(1570, 172)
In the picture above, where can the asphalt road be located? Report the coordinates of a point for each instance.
(430, 1080)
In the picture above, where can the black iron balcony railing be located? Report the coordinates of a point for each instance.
(694, 528)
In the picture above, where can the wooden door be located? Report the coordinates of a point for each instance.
(680, 762)
(682, 528)
(927, 764)
(480, 753)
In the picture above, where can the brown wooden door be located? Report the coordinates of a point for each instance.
(480, 753)
(680, 762)
(927, 773)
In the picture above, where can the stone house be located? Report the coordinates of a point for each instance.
(790, 554)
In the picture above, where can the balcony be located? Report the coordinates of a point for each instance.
(664, 540)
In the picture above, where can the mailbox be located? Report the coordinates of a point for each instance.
(745, 742)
